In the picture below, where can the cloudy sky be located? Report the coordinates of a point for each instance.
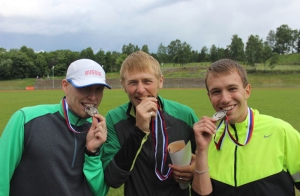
(109, 24)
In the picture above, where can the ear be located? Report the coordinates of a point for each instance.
(161, 82)
(123, 85)
(208, 96)
(64, 86)
(247, 91)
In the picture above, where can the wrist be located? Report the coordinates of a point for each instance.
(91, 153)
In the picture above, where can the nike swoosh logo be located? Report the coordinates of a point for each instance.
(266, 136)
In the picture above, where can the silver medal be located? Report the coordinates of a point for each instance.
(219, 115)
(91, 110)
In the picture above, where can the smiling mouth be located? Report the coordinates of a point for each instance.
(228, 108)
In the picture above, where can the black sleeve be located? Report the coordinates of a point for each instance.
(117, 171)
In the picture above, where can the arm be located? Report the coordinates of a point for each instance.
(92, 167)
(292, 155)
(204, 129)
(11, 148)
(119, 161)
(185, 174)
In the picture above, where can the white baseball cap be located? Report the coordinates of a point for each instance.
(86, 72)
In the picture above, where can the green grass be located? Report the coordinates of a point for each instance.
(281, 103)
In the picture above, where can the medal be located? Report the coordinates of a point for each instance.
(249, 131)
(219, 115)
(90, 110)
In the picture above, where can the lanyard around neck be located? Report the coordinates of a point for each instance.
(249, 132)
(66, 115)
(160, 140)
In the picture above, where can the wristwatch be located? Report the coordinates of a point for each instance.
(91, 154)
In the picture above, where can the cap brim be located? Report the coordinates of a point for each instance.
(76, 84)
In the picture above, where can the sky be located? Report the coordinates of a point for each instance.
(49, 25)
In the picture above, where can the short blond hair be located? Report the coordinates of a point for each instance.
(139, 62)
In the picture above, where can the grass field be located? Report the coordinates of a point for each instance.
(281, 103)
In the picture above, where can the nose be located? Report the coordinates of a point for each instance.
(140, 88)
(92, 94)
(226, 97)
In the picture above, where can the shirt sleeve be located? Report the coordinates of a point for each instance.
(11, 148)
(119, 161)
(94, 173)
(292, 155)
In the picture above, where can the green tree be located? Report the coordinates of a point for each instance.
(173, 50)
(284, 39)
(271, 39)
(130, 48)
(120, 60)
(213, 53)
(108, 62)
(254, 47)
(5, 68)
(162, 55)
(100, 57)
(184, 54)
(266, 54)
(145, 48)
(87, 53)
(236, 48)
(203, 54)
(221, 53)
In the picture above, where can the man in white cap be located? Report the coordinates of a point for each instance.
(44, 148)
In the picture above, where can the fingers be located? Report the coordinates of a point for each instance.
(146, 111)
(183, 174)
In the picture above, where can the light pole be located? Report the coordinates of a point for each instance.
(53, 76)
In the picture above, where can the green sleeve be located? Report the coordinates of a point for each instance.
(112, 145)
(11, 148)
(94, 173)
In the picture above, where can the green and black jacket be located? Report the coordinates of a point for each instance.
(128, 154)
(39, 155)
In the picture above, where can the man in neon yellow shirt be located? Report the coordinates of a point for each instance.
(247, 153)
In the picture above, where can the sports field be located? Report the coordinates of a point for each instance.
(281, 103)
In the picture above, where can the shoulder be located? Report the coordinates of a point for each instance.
(179, 110)
(38, 110)
(169, 104)
(271, 122)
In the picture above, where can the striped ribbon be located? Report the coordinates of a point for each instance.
(66, 114)
(250, 128)
(158, 127)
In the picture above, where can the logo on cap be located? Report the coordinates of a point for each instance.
(92, 72)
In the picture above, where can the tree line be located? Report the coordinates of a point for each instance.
(26, 63)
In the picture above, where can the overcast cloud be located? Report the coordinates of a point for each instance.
(109, 24)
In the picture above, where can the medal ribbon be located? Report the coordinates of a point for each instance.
(160, 136)
(226, 130)
(66, 114)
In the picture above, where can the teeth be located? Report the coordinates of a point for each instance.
(89, 105)
(228, 108)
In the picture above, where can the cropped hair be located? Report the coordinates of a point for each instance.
(226, 66)
(140, 62)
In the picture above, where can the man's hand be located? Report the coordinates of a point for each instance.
(203, 130)
(184, 174)
(145, 111)
(97, 134)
